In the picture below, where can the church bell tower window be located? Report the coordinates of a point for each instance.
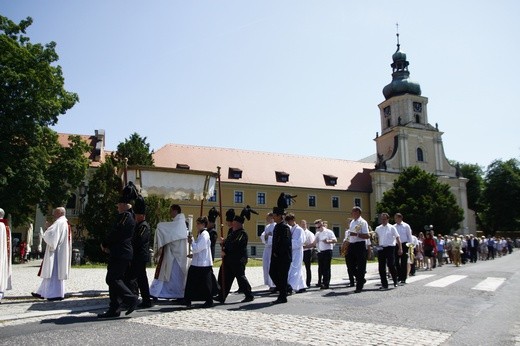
(420, 155)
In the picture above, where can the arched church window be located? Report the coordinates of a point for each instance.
(420, 155)
(387, 122)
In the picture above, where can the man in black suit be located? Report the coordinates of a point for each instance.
(119, 246)
(281, 255)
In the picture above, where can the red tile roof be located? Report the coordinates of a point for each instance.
(260, 167)
(91, 140)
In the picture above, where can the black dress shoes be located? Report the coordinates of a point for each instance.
(248, 299)
(109, 314)
(54, 299)
(36, 295)
(280, 301)
(132, 306)
(145, 305)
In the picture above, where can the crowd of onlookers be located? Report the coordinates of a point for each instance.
(430, 251)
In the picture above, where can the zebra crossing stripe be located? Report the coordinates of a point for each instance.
(490, 284)
(448, 280)
(416, 278)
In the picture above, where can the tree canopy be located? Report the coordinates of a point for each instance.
(32, 97)
(136, 150)
(501, 196)
(422, 200)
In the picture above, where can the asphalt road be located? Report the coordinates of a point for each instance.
(475, 304)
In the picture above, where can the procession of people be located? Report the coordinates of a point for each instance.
(184, 263)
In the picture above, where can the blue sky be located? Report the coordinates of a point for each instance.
(298, 77)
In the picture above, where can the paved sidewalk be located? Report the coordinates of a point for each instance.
(87, 290)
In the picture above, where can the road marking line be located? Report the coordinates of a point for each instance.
(445, 281)
(415, 278)
(490, 284)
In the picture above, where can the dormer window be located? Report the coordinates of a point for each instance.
(182, 166)
(234, 173)
(330, 180)
(282, 177)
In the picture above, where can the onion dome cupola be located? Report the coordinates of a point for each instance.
(400, 84)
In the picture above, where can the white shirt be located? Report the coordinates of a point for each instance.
(405, 232)
(387, 235)
(269, 231)
(309, 238)
(358, 226)
(325, 234)
(201, 249)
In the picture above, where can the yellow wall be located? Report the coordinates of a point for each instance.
(322, 210)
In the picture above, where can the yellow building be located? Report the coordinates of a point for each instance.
(324, 188)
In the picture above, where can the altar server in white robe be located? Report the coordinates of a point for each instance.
(267, 239)
(296, 278)
(171, 246)
(5, 255)
(55, 268)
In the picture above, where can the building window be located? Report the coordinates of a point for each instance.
(71, 203)
(312, 201)
(330, 180)
(182, 166)
(234, 173)
(336, 230)
(213, 198)
(420, 155)
(282, 177)
(417, 118)
(259, 230)
(388, 123)
(335, 202)
(260, 198)
(357, 202)
(239, 197)
(312, 229)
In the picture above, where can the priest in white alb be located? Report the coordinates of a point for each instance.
(297, 275)
(267, 239)
(171, 247)
(5, 255)
(55, 268)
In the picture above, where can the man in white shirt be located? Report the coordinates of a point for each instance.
(324, 241)
(267, 239)
(405, 235)
(357, 249)
(308, 245)
(388, 238)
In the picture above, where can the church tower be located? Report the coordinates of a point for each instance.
(408, 139)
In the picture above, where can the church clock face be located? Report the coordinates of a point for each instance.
(386, 111)
(417, 107)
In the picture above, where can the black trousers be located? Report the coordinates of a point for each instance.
(118, 291)
(357, 257)
(401, 262)
(279, 272)
(233, 269)
(473, 254)
(324, 260)
(350, 271)
(307, 255)
(385, 258)
(139, 280)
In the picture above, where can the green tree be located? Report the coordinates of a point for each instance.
(475, 186)
(136, 150)
(422, 200)
(32, 97)
(502, 196)
(100, 211)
